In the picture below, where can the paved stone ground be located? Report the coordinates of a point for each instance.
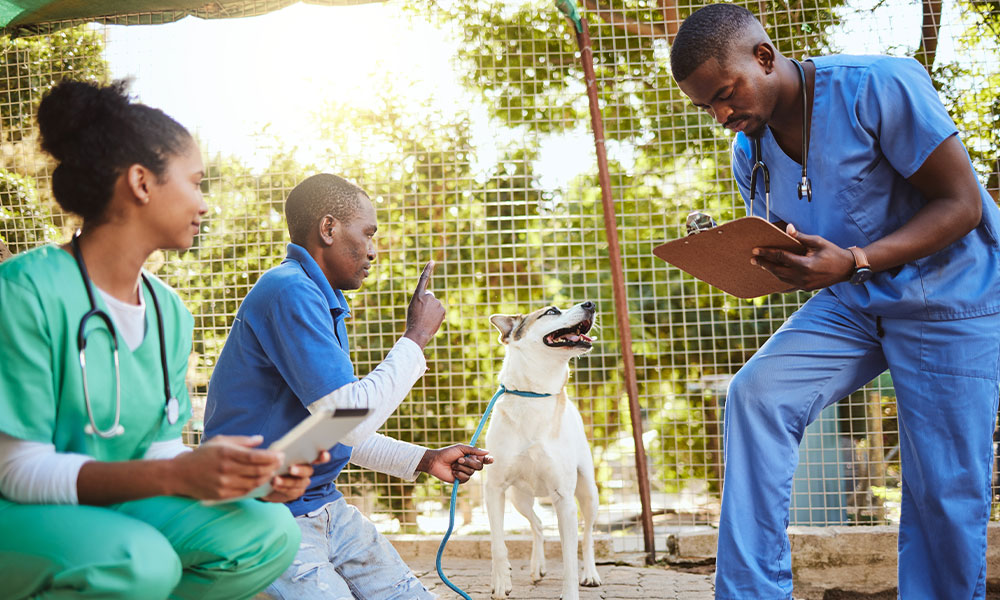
(617, 581)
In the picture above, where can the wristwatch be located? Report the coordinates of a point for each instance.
(862, 270)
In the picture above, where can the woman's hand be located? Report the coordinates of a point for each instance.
(224, 467)
(290, 486)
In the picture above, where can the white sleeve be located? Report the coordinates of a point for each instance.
(166, 449)
(34, 473)
(381, 391)
(390, 456)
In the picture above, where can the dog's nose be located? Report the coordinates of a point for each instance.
(588, 305)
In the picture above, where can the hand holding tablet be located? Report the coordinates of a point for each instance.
(308, 440)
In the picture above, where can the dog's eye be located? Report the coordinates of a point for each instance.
(552, 311)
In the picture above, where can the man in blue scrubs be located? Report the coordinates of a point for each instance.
(287, 355)
(901, 243)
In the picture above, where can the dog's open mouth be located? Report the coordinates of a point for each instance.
(570, 337)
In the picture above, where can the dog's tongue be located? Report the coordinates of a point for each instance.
(586, 338)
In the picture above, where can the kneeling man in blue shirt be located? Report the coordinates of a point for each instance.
(287, 356)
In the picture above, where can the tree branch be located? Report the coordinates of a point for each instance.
(624, 23)
(671, 18)
(929, 33)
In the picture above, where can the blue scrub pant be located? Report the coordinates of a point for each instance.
(946, 379)
(151, 549)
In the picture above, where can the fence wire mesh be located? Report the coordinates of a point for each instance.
(498, 184)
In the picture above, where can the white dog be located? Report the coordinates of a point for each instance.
(538, 443)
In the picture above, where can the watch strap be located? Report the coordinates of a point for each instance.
(860, 258)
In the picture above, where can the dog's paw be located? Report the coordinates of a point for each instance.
(537, 570)
(590, 579)
(571, 595)
(501, 584)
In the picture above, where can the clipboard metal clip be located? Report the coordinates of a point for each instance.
(698, 221)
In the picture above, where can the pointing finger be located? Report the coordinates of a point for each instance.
(425, 277)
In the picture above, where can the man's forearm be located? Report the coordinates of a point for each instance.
(936, 226)
(953, 209)
(381, 391)
(391, 456)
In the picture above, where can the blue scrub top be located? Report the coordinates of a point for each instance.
(875, 121)
(287, 349)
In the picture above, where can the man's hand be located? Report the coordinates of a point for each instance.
(454, 462)
(425, 313)
(226, 466)
(822, 265)
(291, 485)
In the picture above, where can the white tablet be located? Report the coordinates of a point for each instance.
(305, 441)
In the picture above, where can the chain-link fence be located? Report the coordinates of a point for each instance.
(497, 183)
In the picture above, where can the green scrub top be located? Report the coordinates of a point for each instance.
(42, 300)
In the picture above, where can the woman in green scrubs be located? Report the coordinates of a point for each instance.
(98, 497)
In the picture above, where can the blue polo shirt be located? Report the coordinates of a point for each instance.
(287, 349)
(875, 121)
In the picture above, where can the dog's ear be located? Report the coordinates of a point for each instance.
(504, 323)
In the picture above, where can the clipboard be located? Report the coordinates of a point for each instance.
(720, 256)
(317, 432)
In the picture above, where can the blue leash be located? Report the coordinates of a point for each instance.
(454, 487)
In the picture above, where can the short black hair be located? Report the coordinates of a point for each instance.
(96, 132)
(317, 196)
(709, 32)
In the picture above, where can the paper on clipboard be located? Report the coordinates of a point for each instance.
(317, 432)
(720, 256)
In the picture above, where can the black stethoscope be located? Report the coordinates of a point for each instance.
(172, 408)
(805, 186)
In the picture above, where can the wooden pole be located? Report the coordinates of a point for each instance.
(618, 282)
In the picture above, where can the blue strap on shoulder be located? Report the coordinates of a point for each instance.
(454, 487)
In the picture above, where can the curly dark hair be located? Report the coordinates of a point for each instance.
(710, 32)
(96, 132)
(317, 196)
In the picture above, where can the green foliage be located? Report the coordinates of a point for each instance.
(25, 221)
(970, 89)
(30, 66)
(524, 60)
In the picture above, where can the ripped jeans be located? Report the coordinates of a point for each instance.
(343, 557)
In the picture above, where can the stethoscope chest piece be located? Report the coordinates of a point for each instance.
(173, 410)
(805, 189)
